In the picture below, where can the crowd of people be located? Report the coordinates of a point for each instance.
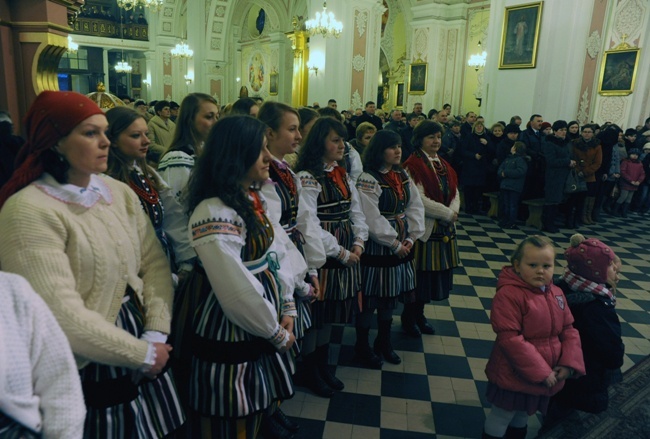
(196, 268)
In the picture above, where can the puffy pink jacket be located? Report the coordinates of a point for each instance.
(534, 334)
(631, 171)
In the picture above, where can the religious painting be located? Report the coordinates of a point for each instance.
(520, 36)
(618, 71)
(399, 102)
(136, 80)
(256, 71)
(273, 84)
(418, 78)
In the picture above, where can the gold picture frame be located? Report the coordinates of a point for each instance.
(520, 36)
(618, 70)
(418, 76)
(399, 95)
(273, 84)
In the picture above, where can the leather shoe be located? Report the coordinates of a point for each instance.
(287, 423)
(272, 429)
(424, 326)
(409, 326)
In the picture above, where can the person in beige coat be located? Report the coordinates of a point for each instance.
(161, 132)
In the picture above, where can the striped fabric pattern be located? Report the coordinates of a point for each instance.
(339, 285)
(382, 286)
(288, 220)
(237, 390)
(154, 413)
(10, 429)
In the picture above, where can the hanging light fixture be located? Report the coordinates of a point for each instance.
(477, 60)
(153, 5)
(324, 24)
(122, 66)
(182, 50)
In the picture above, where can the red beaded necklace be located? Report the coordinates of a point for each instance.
(150, 194)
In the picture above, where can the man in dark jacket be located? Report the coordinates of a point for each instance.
(369, 116)
(532, 137)
(407, 134)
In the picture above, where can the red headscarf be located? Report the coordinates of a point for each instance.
(52, 116)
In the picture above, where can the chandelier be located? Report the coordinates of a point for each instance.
(324, 24)
(477, 60)
(153, 5)
(182, 50)
(123, 67)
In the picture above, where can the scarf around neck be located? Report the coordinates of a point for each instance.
(580, 284)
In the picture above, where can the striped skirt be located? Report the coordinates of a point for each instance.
(233, 374)
(440, 252)
(116, 407)
(339, 284)
(434, 263)
(303, 319)
(385, 277)
(10, 429)
(303, 307)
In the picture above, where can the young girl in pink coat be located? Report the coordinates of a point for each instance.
(632, 175)
(536, 347)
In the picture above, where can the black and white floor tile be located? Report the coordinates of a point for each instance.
(438, 390)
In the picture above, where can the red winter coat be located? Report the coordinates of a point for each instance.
(534, 334)
(631, 171)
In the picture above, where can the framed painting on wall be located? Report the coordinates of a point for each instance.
(618, 71)
(399, 95)
(520, 36)
(418, 78)
(273, 84)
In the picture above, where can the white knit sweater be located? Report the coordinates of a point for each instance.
(79, 256)
(39, 382)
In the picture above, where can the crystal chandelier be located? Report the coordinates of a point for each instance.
(153, 5)
(123, 67)
(324, 24)
(477, 60)
(182, 50)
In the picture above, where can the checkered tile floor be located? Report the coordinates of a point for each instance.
(438, 390)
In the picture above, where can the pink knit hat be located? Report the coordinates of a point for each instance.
(589, 258)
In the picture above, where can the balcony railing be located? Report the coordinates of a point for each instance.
(110, 29)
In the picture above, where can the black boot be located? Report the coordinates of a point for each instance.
(383, 346)
(570, 222)
(516, 432)
(283, 420)
(617, 209)
(311, 377)
(423, 324)
(548, 218)
(272, 429)
(408, 321)
(626, 206)
(362, 352)
(322, 356)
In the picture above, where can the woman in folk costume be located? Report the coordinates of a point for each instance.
(85, 245)
(395, 218)
(283, 197)
(436, 252)
(242, 327)
(127, 131)
(197, 113)
(332, 200)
